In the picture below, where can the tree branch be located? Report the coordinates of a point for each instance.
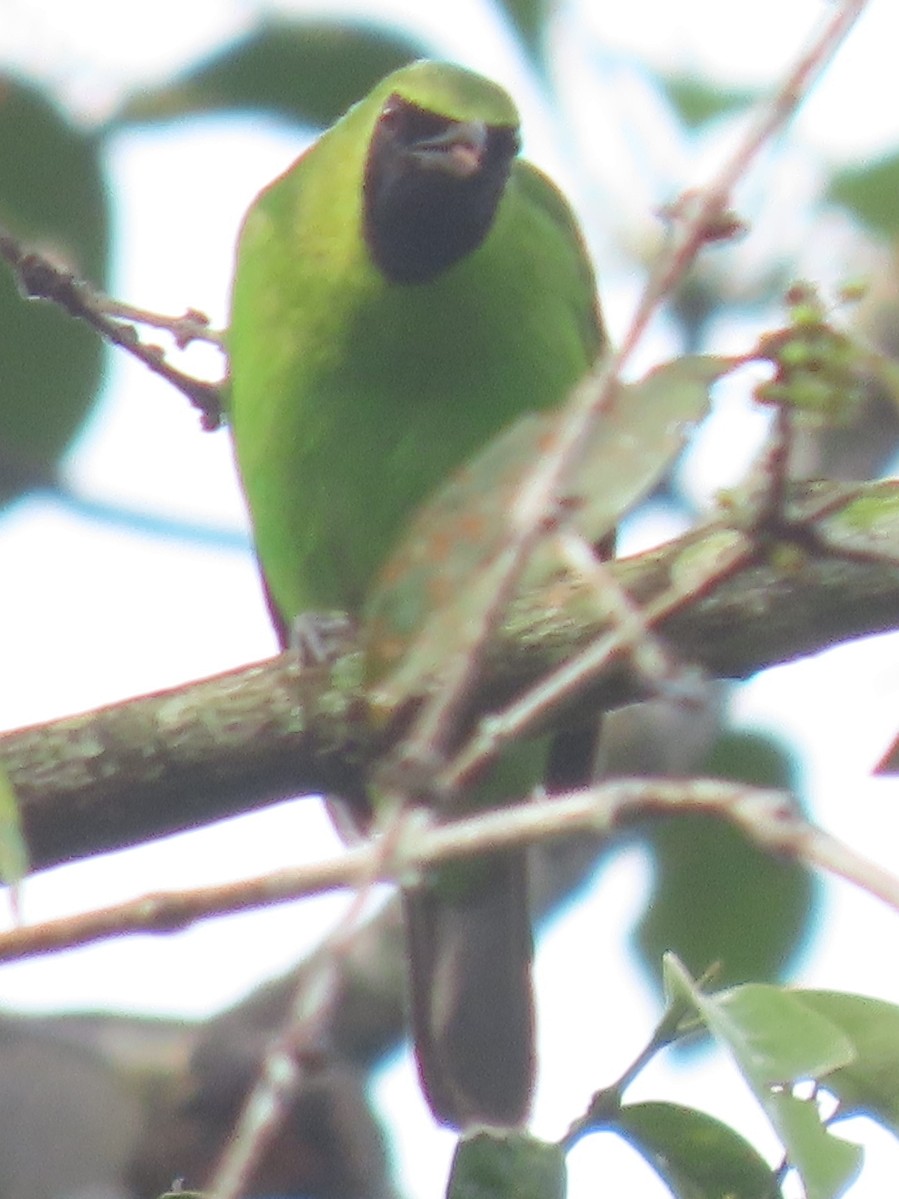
(41, 279)
(177, 759)
(766, 816)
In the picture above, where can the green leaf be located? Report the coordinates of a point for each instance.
(14, 858)
(869, 192)
(439, 578)
(868, 524)
(306, 71)
(52, 198)
(716, 895)
(699, 101)
(818, 370)
(826, 1164)
(869, 1084)
(695, 1154)
(506, 1164)
(777, 1040)
(528, 18)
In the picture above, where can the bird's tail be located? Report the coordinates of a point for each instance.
(472, 1008)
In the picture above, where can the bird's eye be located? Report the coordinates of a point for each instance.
(409, 123)
(392, 111)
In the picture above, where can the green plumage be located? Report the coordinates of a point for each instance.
(353, 396)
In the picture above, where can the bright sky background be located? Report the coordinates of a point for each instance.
(94, 614)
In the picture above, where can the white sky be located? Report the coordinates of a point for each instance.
(93, 614)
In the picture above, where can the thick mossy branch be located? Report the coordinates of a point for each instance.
(177, 759)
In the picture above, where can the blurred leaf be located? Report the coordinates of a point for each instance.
(528, 18)
(695, 1154)
(869, 192)
(819, 370)
(775, 1038)
(71, 1115)
(439, 578)
(306, 71)
(826, 1164)
(866, 525)
(698, 101)
(717, 896)
(52, 197)
(869, 1084)
(885, 371)
(14, 859)
(506, 1164)
(778, 1040)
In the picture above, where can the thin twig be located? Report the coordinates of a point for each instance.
(651, 657)
(525, 715)
(767, 816)
(605, 1104)
(40, 279)
(191, 326)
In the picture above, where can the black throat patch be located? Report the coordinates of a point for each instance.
(421, 214)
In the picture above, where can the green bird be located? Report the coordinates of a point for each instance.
(406, 289)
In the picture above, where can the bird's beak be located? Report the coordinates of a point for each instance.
(459, 150)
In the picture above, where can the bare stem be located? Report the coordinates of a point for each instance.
(40, 279)
(766, 816)
(525, 714)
